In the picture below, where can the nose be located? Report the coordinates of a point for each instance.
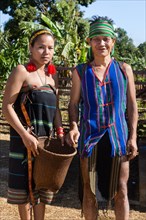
(46, 50)
(101, 42)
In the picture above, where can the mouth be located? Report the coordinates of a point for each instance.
(45, 57)
(103, 48)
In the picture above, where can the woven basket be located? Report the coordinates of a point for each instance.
(51, 165)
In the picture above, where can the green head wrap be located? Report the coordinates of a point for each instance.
(101, 28)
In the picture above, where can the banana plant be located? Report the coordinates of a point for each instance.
(69, 47)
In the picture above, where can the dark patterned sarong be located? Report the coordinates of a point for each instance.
(41, 107)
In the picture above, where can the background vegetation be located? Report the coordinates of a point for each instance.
(66, 21)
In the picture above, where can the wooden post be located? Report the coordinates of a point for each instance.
(142, 173)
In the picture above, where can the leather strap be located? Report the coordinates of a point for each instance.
(29, 155)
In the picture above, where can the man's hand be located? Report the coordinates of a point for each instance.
(132, 149)
(72, 137)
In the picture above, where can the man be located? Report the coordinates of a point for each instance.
(104, 90)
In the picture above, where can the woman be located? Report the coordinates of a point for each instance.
(105, 89)
(36, 83)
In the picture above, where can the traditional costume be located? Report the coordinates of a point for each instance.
(103, 127)
(41, 108)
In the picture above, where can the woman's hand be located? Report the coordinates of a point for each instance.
(61, 137)
(30, 143)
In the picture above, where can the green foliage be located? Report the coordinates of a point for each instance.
(141, 129)
(127, 52)
(85, 2)
(27, 13)
(72, 31)
(52, 26)
(28, 27)
(142, 49)
(9, 7)
(11, 54)
(124, 44)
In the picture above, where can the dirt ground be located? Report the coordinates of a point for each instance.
(66, 205)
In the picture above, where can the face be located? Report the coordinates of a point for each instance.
(43, 49)
(101, 45)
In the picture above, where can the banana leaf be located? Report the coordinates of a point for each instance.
(52, 26)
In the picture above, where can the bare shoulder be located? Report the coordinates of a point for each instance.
(76, 82)
(18, 76)
(75, 76)
(127, 69)
(20, 70)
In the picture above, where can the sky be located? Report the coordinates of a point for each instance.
(129, 15)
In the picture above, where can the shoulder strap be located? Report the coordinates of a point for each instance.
(121, 65)
(81, 69)
(27, 119)
(28, 152)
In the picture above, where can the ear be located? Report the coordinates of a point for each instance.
(114, 40)
(88, 40)
(30, 48)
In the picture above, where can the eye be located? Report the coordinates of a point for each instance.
(41, 47)
(106, 39)
(51, 48)
(95, 39)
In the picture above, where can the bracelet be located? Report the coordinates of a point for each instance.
(59, 130)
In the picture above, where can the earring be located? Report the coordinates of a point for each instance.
(31, 67)
(51, 69)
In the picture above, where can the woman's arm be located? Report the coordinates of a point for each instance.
(58, 117)
(12, 89)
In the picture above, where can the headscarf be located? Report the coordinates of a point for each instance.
(101, 28)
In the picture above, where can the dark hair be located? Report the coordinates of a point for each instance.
(96, 18)
(38, 33)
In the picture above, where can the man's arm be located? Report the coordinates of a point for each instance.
(132, 113)
(73, 108)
